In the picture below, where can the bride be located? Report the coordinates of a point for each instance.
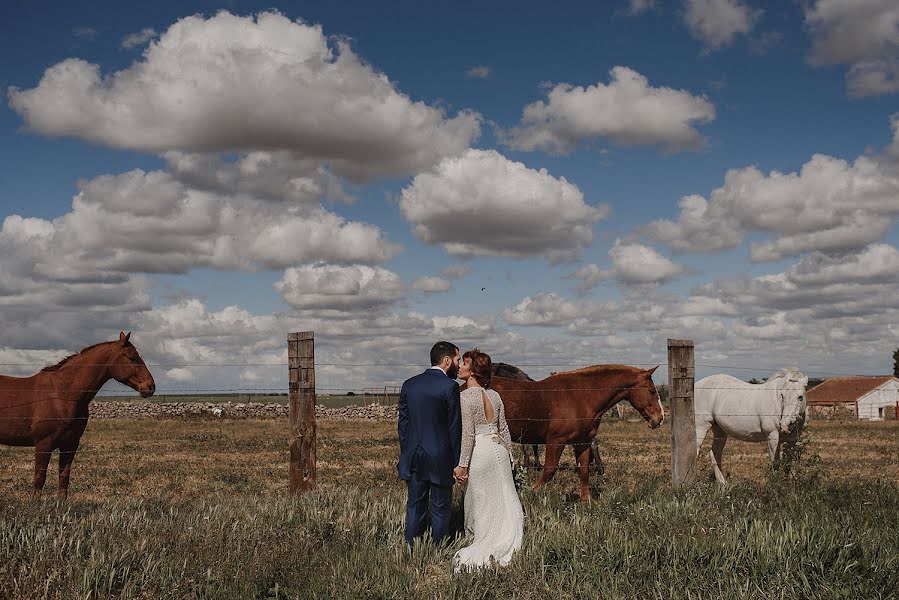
(492, 510)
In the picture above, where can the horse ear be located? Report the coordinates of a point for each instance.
(652, 370)
(124, 338)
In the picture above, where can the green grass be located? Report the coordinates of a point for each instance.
(188, 508)
(746, 541)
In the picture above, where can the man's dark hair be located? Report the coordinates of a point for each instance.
(442, 349)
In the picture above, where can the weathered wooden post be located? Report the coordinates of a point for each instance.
(301, 371)
(681, 377)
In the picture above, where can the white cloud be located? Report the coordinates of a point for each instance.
(715, 23)
(480, 72)
(276, 176)
(862, 285)
(150, 222)
(590, 275)
(635, 264)
(456, 271)
(432, 285)
(627, 111)
(134, 40)
(180, 375)
(639, 7)
(331, 288)
(230, 83)
(860, 33)
(774, 327)
(548, 309)
(87, 34)
(830, 205)
(483, 204)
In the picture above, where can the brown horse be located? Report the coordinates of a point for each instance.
(49, 410)
(566, 408)
(512, 372)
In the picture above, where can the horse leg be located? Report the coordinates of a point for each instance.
(582, 452)
(554, 450)
(43, 450)
(718, 440)
(536, 450)
(702, 428)
(774, 447)
(594, 452)
(66, 457)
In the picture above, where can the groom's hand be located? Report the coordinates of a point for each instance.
(460, 474)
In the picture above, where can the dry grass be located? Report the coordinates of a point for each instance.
(199, 509)
(203, 457)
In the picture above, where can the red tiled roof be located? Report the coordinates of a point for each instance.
(844, 389)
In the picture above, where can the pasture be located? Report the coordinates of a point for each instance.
(198, 509)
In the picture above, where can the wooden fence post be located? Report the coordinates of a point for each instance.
(681, 377)
(301, 371)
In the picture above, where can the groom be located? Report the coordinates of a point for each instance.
(430, 430)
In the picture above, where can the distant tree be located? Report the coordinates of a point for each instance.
(813, 381)
(663, 392)
(896, 363)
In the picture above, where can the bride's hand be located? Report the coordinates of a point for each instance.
(460, 474)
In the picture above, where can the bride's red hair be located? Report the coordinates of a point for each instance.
(481, 366)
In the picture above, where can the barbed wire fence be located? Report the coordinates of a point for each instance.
(386, 394)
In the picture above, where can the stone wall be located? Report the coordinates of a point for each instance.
(229, 410)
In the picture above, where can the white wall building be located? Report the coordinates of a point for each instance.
(873, 398)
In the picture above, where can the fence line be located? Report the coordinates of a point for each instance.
(565, 366)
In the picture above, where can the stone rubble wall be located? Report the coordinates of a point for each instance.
(230, 410)
(258, 410)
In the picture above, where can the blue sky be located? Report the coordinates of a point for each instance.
(560, 185)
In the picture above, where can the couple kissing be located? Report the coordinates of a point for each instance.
(451, 434)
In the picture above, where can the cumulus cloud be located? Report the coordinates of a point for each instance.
(639, 7)
(861, 285)
(432, 285)
(590, 276)
(134, 40)
(830, 205)
(628, 111)
(456, 271)
(861, 33)
(483, 204)
(231, 83)
(479, 72)
(278, 176)
(635, 264)
(715, 23)
(333, 288)
(179, 374)
(149, 222)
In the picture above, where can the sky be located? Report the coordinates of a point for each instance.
(558, 185)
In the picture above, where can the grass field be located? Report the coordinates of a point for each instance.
(198, 509)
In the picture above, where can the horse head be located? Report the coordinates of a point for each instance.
(127, 367)
(792, 395)
(644, 397)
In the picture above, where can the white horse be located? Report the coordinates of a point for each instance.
(774, 411)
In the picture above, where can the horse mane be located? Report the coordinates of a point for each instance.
(70, 357)
(597, 370)
(788, 373)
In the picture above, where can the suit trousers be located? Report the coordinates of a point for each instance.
(422, 495)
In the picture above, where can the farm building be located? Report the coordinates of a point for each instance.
(871, 398)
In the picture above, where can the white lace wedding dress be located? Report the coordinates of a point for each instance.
(492, 510)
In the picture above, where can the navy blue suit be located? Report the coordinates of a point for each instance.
(430, 430)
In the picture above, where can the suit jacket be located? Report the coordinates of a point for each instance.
(430, 427)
